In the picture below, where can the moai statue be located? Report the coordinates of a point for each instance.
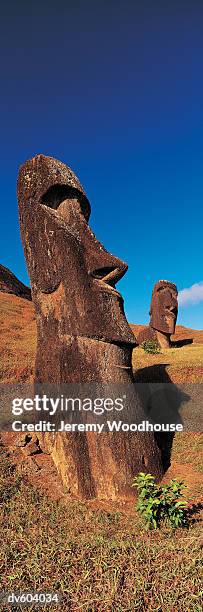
(82, 333)
(163, 314)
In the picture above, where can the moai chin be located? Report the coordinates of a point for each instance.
(82, 333)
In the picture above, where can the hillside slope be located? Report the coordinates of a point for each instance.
(17, 338)
(182, 333)
(18, 346)
(9, 283)
(17, 355)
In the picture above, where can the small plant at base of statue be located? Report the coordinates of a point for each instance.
(159, 503)
(150, 346)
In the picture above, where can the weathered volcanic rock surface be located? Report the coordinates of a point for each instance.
(9, 283)
(147, 333)
(83, 336)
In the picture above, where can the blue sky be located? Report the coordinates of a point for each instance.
(114, 89)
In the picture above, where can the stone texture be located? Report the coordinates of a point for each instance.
(29, 443)
(10, 284)
(148, 333)
(163, 314)
(164, 307)
(32, 448)
(82, 332)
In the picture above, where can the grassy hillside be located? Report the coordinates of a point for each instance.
(18, 345)
(101, 559)
(17, 338)
(17, 351)
(180, 365)
(97, 553)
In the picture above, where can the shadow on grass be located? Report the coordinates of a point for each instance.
(180, 343)
(193, 512)
(161, 400)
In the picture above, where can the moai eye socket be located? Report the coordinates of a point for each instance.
(57, 194)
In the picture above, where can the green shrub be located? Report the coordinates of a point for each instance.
(150, 346)
(157, 503)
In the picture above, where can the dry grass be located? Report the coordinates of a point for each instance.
(184, 364)
(17, 339)
(180, 366)
(18, 346)
(101, 561)
(100, 558)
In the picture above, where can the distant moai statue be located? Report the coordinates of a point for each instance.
(163, 314)
(82, 333)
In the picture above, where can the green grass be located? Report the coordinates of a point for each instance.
(101, 561)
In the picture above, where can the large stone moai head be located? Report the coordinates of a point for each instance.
(72, 276)
(164, 310)
(82, 333)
